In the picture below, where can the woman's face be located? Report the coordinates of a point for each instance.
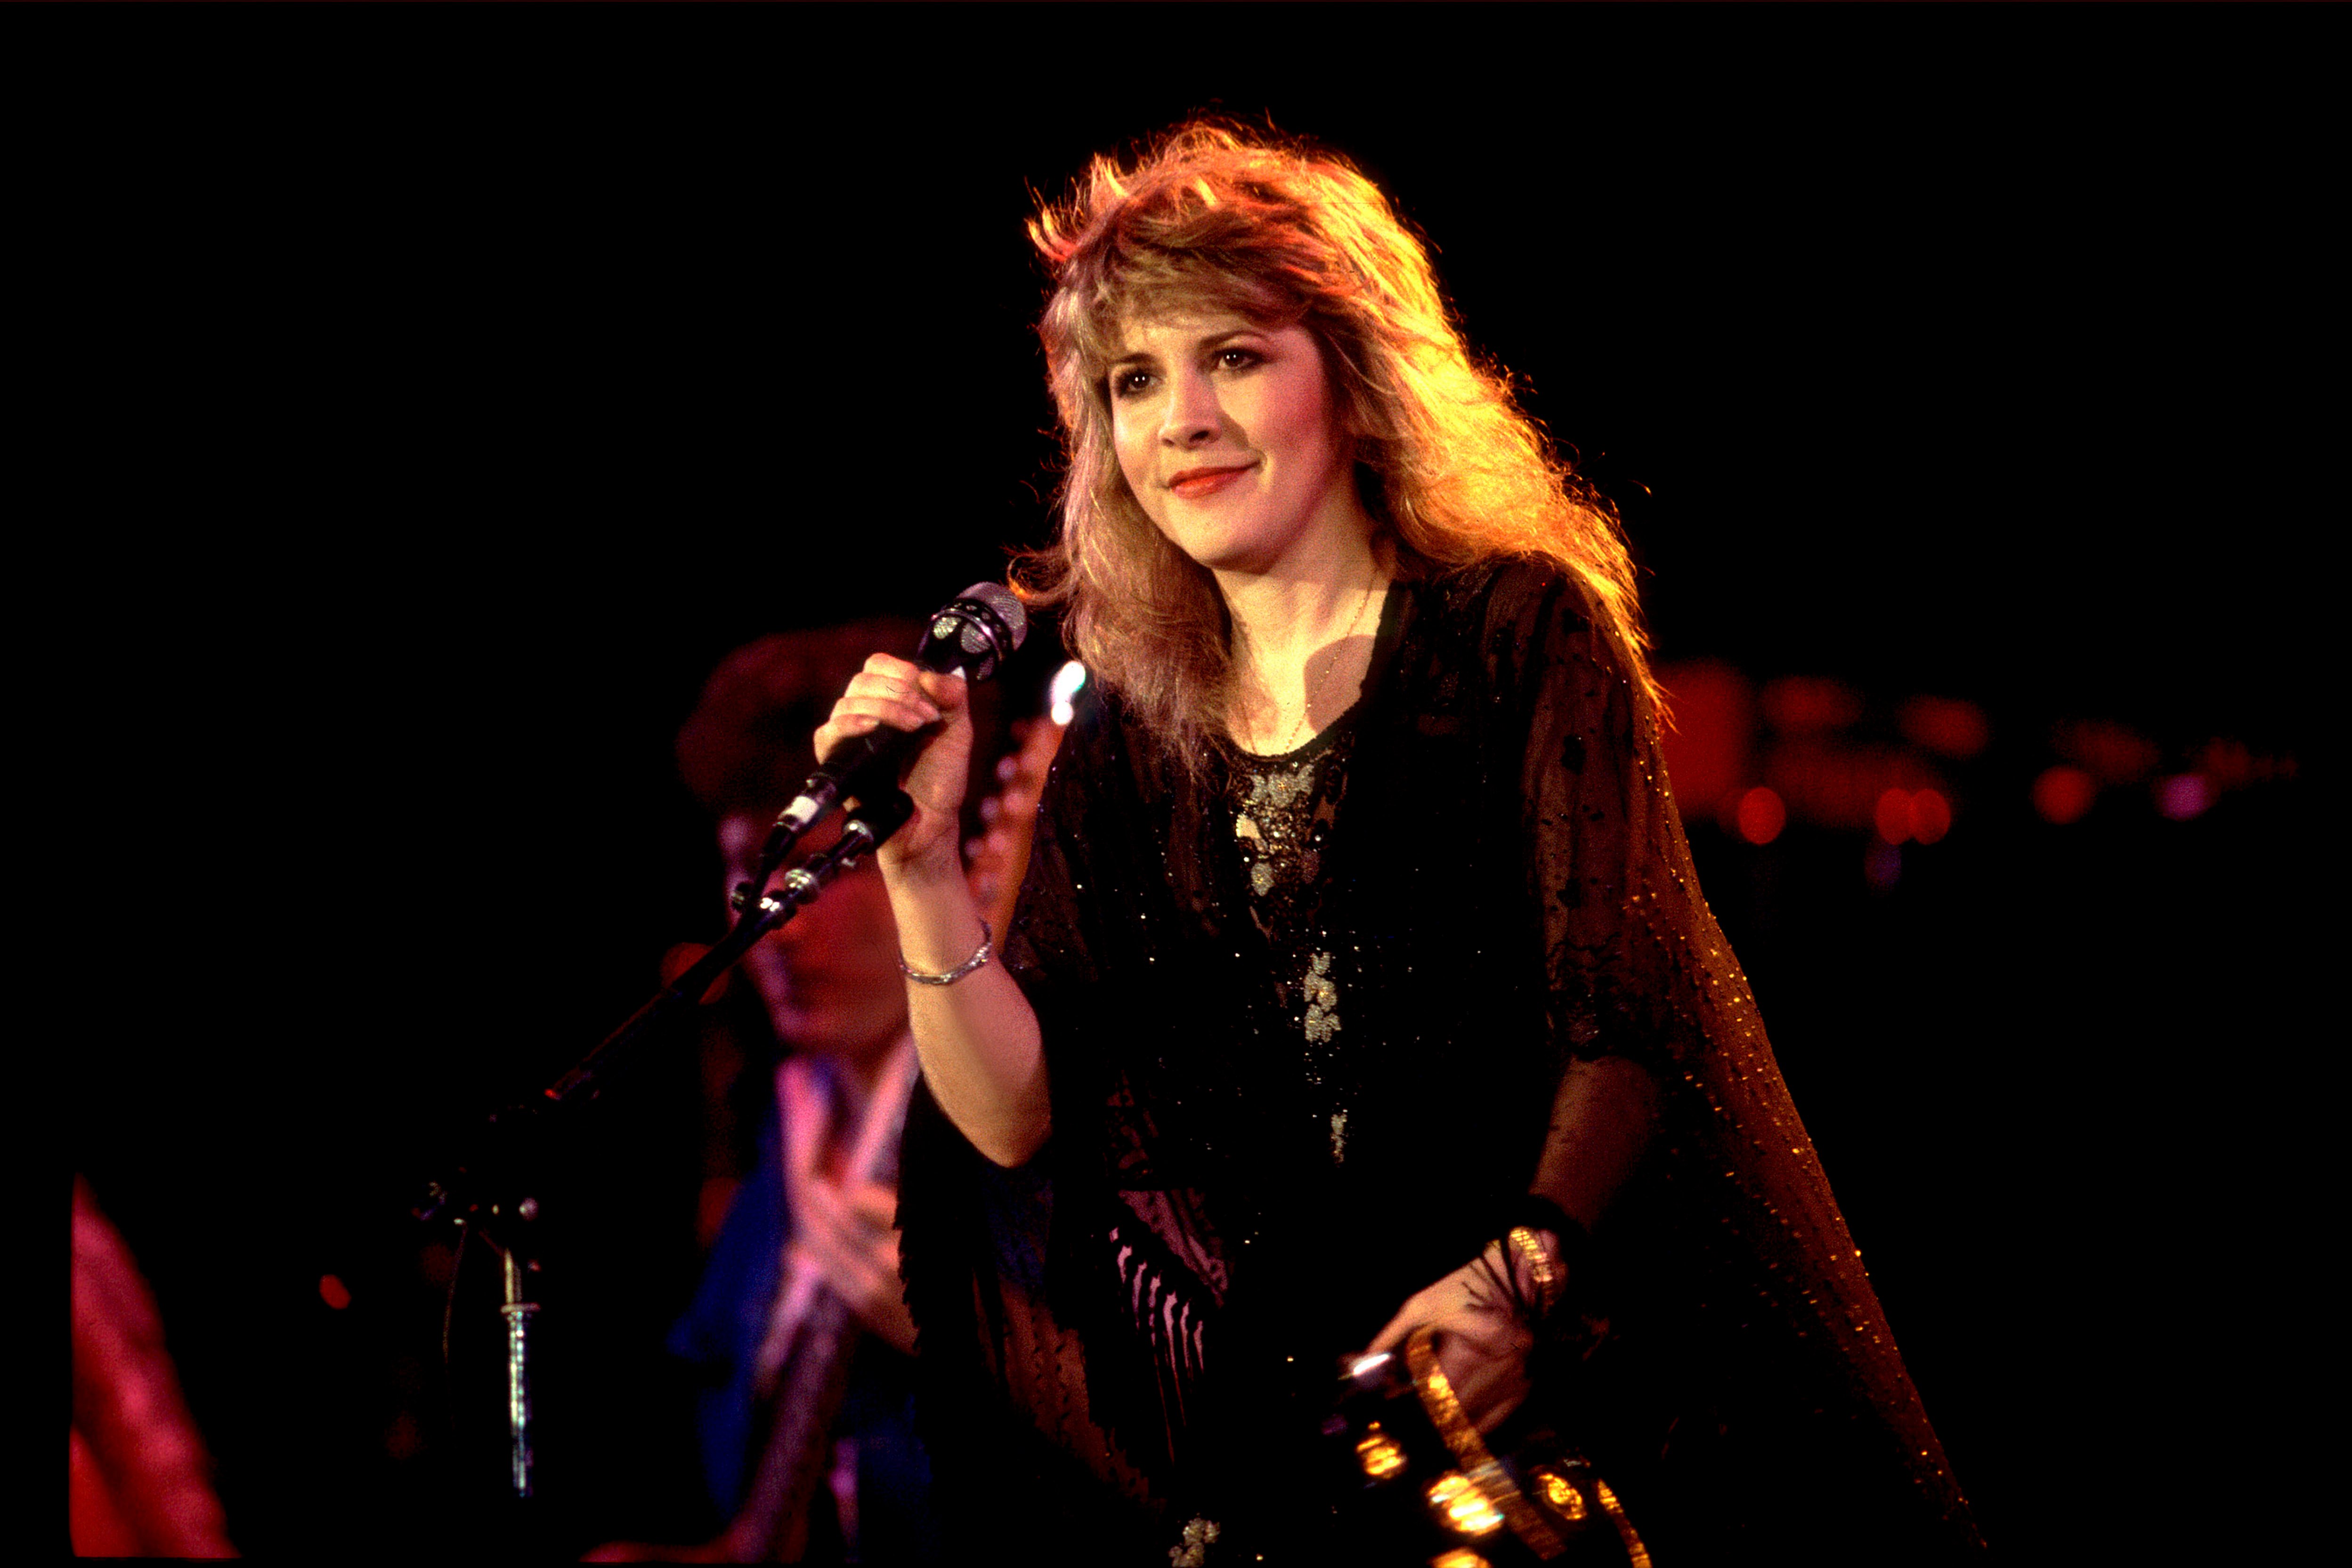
(1229, 439)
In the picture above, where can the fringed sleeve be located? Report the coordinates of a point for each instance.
(1004, 1373)
(1754, 1366)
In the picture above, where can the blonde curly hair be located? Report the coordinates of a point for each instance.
(1213, 216)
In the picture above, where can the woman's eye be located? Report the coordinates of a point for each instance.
(1127, 383)
(1238, 359)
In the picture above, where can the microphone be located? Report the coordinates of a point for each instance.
(975, 633)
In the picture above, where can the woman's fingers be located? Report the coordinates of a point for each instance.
(898, 694)
(847, 1235)
(1482, 1345)
(868, 1210)
(898, 688)
(1424, 1306)
(876, 698)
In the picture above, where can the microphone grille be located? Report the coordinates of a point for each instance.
(1000, 601)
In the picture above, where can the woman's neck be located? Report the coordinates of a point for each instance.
(1302, 641)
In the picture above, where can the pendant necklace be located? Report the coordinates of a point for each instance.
(1305, 713)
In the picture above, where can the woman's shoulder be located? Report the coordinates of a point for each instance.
(1109, 751)
(1513, 597)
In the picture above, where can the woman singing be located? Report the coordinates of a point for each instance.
(1362, 981)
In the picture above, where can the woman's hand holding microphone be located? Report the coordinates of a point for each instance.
(973, 1030)
(902, 694)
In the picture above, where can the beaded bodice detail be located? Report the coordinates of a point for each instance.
(1284, 811)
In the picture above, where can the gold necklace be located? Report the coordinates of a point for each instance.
(1312, 697)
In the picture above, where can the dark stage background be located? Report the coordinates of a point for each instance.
(462, 388)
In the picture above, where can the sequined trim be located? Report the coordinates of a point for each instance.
(1322, 1000)
(1192, 1548)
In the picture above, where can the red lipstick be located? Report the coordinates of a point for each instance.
(1194, 483)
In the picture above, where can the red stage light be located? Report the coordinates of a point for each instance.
(1806, 705)
(1713, 717)
(2112, 753)
(1931, 816)
(1893, 816)
(1945, 725)
(1761, 816)
(334, 1292)
(2184, 795)
(2228, 765)
(2064, 794)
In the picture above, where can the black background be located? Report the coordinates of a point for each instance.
(441, 392)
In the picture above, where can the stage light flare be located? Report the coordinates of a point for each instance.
(1760, 815)
(1068, 681)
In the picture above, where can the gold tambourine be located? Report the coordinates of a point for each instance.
(1417, 1480)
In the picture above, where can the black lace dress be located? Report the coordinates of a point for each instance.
(1304, 1027)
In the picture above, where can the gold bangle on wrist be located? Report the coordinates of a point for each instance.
(1542, 1268)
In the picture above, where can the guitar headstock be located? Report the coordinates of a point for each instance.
(998, 859)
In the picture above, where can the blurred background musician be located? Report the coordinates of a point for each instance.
(798, 1334)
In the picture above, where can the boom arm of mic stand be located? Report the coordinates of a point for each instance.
(873, 821)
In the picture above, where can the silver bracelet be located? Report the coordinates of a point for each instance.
(960, 970)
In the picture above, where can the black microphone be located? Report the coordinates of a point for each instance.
(975, 633)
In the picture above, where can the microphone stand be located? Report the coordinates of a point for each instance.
(487, 1192)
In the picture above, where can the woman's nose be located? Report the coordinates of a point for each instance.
(1192, 418)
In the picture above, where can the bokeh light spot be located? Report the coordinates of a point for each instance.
(1931, 816)
(1761, 816)
(334, 1292)
(1945, 725)
(2112, 753)
(2183, 796)
(2064, 794)
(1893, 816)
(1802, 704)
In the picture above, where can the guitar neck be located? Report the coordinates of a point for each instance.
(774, 1525)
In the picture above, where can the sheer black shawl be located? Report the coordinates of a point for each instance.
(1142, 1325)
